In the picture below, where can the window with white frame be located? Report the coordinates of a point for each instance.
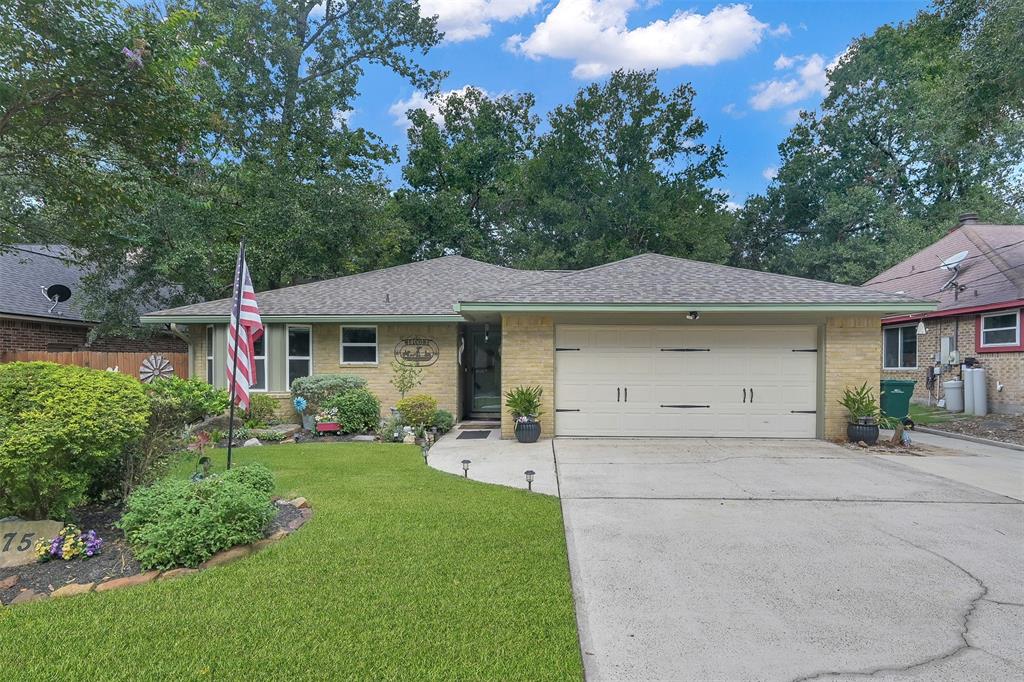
(359, 345)
(259, 355)
(300, 353)
(1000, 329)
(209, 354)
(899, 347)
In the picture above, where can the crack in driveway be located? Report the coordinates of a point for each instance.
(965, 628)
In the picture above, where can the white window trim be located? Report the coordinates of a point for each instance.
(342, 344)
(1016, 329)
(211, 363)
(288, 352)
(916, 354)
(266, 361)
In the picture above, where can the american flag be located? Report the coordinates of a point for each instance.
(246, 327)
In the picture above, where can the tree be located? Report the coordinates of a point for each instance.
(622, 171)
(464, 173)
(96, 102)
(922, 121)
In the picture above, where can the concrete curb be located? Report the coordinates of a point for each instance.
(972, 439)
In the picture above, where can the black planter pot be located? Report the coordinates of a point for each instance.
(862, 432)
(527, 432)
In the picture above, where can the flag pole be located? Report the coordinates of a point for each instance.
(234, 367)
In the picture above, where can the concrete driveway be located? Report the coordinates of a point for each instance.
(787, 560)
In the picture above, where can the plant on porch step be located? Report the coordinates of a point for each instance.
(864, 414)
(523, 403)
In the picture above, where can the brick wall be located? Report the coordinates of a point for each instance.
(27, 335)
(853, 346)
(440, 380)
(528, 359)
(1001, 368)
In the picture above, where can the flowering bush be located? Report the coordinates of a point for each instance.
(328, 414)
(69, 543)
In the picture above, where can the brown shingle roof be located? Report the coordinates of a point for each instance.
(992, 272)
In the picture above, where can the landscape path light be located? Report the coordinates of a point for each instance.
(465, 468)
(530, 473)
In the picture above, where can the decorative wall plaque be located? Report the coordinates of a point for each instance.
(416, 351)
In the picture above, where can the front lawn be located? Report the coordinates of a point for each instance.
(402, 573)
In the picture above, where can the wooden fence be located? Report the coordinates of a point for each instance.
(126, 363)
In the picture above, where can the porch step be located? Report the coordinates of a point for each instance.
(479, 424)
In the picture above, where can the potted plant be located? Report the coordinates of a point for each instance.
(864, 413)
(523, 403)
(327, 420)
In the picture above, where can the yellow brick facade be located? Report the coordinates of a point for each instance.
(528, 359)
(853, 346)
(440, 380)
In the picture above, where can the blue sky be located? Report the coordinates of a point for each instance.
(753, 65)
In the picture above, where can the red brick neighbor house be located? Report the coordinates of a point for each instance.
(30, 322)
(976, 272)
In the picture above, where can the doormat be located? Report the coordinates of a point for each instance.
(470, 435)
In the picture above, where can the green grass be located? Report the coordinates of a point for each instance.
(403, 573)
(926, 416)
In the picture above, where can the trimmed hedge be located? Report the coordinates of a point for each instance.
(358, 410)
(417, 410)
(60, 427)
(319, 388)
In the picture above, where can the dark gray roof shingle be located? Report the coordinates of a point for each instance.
(656, 279)
(25, 269)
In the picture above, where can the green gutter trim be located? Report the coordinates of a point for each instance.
(302, 319)
(699, 307)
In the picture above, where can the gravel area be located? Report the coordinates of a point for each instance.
(115, 561)
(1007, 428)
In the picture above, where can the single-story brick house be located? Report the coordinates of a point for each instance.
(29, 322)
(981, 298)
(646, 346)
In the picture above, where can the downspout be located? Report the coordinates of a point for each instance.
(188, 344)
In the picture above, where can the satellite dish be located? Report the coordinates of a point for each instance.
(953, 261)
(58, 293)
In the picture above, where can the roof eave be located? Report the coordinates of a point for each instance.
(879, 307)
(300, 319)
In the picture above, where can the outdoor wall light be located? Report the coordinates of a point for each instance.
(693, 315)
(921, 330)
(465, 468)
(530, 473)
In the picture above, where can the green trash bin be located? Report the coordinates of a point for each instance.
(895, 400)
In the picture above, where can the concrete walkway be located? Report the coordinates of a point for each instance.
(497, 461)
(999, 470)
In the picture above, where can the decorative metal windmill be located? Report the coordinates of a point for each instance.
(155, 367)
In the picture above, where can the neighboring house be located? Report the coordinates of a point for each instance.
(31, 322)
(980, 290)
(646, 346)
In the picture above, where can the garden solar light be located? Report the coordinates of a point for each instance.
(426, 449)
(530, 473)
(465, 468)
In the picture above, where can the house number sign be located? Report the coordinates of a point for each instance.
(18, 540)
(416, 351)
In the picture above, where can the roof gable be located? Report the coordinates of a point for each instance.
(992, 272)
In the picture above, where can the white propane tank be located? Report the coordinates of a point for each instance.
(954, 395)
(980, 394)
(968, 390)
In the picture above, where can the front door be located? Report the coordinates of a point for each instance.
(481, 366)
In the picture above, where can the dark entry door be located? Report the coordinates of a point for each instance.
(481, 365)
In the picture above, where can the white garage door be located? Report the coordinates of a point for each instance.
(621, 380)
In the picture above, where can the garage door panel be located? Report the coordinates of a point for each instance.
(662, 366)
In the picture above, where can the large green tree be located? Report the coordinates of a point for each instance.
(922, 121)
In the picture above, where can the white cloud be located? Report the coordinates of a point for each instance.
(769, 173)
(430, 104)
(595, 34)
(733, 111)
(808, 78)
(340, 118)
(792, 116)
(782, 30)
(468, 19)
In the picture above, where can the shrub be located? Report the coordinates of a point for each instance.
(319, 388)
(179, 523)
(524, 401)
(860, 403)
(268, 435)
(406, 377)
(197, 398)
(358, 410)
(254, 476)
(417, 410)
(261, 410)
(60, 427)
(387, 429)
(442, 420)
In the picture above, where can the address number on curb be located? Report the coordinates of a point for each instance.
(18, 540)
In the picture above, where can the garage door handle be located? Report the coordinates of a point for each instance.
(565, 409)
(751, 394)
(685, 350)
(744, 395)
(625, 395)
(686, 407)
(803, 412)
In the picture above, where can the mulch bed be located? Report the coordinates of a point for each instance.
(114, 561)
(1007, 428)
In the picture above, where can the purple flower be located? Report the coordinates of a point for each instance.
(134, 57)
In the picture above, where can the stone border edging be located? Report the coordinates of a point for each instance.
(973, 439)
(225, 556)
